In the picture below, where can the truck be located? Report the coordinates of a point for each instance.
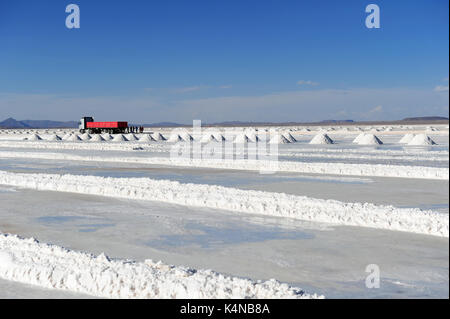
(87, 125)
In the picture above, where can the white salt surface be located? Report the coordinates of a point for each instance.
(54, 137)
(321, 138)
(245, 201)
(73, 138)
(131, 137)
(369, 139)
(107, 137)
(406, 138)
(119, 138)
(289, 136)
(158, 137)
(50, 266)
(358, 138)
(85, 137)
(279, 139)
(380, 170)
(97, 138)
(175, 138)
(421, 139)
(146, 138)
(33, 137)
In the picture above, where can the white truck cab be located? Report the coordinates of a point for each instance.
(83, 121)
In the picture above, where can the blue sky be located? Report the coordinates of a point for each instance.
(151, 61)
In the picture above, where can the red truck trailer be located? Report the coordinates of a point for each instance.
(87, 124)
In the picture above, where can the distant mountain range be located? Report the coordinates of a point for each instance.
(39, 124)
(13, 123)
(337, 121)
(160, 124)
(426, 118)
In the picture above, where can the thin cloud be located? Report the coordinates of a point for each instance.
(307, 82)
(310, 105)
(190, 89)
(376, 109)
(298, 105)
(441, 88)
(187, 89)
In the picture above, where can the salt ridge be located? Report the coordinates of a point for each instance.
(244, 201)
(159, 146)
(49, 266)
(377, 170)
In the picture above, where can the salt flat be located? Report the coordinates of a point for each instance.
(317, 257)
(322, 256)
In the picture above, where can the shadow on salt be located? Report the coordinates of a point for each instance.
(211, 237)
(74, 221)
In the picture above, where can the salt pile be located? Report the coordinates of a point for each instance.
(219, 137)
(131, 137)
(85, 137)
(97, 138)
(321, 138)
(241, 139)
(119, 138)
(406, 138)
(370, 139)
(175, 138)
(208, 138)
(66, 136)
(186, 137)
(421, 139)
(107, 137)
(289, 137)
(358, 138)
(279, 139)
(54, 137)
(146, 138)
(73, 138)
(158, 137)
(34, 137)
(252, 136)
